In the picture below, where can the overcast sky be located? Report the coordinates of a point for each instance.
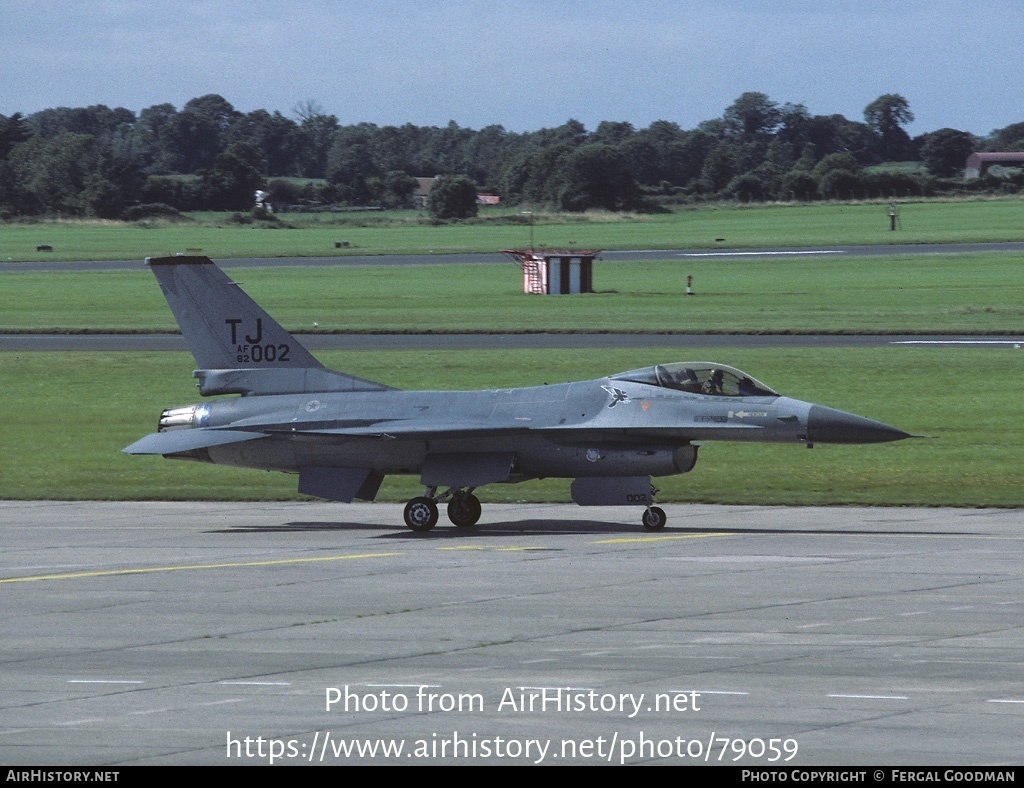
(523, 64)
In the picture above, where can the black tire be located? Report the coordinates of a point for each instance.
(654, 519)
(464, 510)
(420, 514)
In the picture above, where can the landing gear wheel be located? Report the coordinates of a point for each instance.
(654, 519)
(421, 514)
(464, 510)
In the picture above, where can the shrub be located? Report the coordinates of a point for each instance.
(452, 197)
(151, 210)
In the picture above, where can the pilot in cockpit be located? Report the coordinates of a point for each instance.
(713, 385)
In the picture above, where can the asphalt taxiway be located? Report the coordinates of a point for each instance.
(195, 633)
(175, 342)
(348, 258)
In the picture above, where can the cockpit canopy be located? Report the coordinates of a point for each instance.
(699, 377)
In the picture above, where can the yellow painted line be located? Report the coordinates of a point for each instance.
(666, 538)
(927, 536)
(496, 549)
(830, 535)
(187, 567)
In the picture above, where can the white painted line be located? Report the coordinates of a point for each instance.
(761, 254)
(1013, 342)
(567, 689)
(637, 251)
(1004, 700)
(103, 681)
(713, 692)
(749, 559)
(872, 697)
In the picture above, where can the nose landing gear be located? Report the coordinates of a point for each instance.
(654, 518)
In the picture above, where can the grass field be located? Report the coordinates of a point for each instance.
(940, 293)
(400, 232)
(67, 415)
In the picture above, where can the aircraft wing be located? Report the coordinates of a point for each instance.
(400, 429)
(419, 430)
(175, 441)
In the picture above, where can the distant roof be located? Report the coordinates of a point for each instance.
(519, 255)
(977, 159)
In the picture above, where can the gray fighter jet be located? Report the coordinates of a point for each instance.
(342, 434)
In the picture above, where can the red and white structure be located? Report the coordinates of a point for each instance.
(555, 272)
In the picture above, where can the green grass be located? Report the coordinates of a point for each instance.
(407, 232)
(69, 414)
(935, 293)
(906, 167)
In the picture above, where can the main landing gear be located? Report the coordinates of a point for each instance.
(421, 513)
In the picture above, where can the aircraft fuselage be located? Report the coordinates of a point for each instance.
(342, 434)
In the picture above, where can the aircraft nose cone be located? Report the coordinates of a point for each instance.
(828, 425)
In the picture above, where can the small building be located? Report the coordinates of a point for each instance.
(977, 163)
(556, 272)
(424, 185)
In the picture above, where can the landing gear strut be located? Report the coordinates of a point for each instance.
(421, 513)
(654, 518)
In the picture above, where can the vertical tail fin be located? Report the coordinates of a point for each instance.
(239, 348)
(224, 328)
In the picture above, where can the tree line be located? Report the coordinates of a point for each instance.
(209, 156)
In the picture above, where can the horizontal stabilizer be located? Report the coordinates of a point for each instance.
(175, 441)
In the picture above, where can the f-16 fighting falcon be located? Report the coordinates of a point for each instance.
(342, 434)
